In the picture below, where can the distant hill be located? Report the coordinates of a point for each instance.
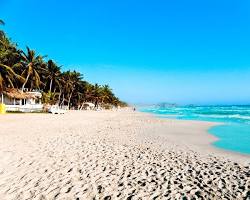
(166, 105)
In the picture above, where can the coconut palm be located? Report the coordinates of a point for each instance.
(96, 94)
(69, 82)
(106, 94)
(33, 67)
(53, 74)
(84, 93)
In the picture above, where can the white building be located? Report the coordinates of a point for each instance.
(16, 100)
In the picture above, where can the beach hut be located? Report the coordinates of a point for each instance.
(16, 100)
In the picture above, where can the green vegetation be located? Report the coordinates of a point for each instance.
(26, 70)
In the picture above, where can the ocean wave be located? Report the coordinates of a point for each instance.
(226, 116)
(214, 113)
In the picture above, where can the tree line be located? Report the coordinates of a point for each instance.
(26, 70)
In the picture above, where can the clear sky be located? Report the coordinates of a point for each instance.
(183, 51)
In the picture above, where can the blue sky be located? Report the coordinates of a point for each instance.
(147, 51)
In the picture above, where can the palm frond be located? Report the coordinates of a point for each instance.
(7, 68)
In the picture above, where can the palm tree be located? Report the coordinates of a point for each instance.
(80, 94)
(106, 94)
(52, 78)
(96, 94)
(33, 68)
(69, 81)
(53, 74)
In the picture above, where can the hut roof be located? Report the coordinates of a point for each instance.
(17, 94)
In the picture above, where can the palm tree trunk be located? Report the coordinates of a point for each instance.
(59, 98)
(81, 106)
(50, 85)
(25, 82)
(70, 98)
(2, 98)
(96, 104)
(31, 86)
(62, 100)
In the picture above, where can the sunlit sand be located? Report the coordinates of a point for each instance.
(114, 155)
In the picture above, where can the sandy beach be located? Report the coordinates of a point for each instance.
(115, 155)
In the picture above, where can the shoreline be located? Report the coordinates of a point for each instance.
(235, 155)
(114, 155)
(204, 145)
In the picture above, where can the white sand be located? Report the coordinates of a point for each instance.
(115, 155)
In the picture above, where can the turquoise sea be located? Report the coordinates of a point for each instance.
(233, 134)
